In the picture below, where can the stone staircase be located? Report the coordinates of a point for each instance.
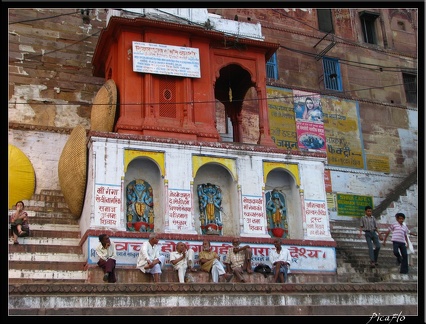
(403, 198)
(48, 276)
(406, 203)
(353, 264)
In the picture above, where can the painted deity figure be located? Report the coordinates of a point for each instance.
(210, 201)
(140, 206)
(277, 214)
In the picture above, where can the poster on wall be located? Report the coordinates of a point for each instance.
(281, 118)
(339, 128)
(378, 163)
(341, 123)
(309, 121)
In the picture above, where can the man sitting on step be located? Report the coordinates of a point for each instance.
(107, 254)
(183, 259)
(280, 260)
(149, 259)
(209, 261)
(238, 259)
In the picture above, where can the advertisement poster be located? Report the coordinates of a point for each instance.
(331, 127)
(281, 118)
(309, 121)
(341, 122)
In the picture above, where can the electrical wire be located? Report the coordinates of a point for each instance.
(324, 93)
(358, 64)
(43, 18)
(313, 55)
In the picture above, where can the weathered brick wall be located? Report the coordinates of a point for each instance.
(50, 70)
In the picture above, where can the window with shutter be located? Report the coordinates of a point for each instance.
(325, 20)
(332, 77)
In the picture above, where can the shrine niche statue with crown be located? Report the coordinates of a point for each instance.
(277, 214)
(210, 201)
(140, 206)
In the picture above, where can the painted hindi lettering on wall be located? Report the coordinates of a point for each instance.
(253, 215)
(341, 122)
(180, 209)
(107, 205)
(303, 258)
(281, 118)
(316, 218)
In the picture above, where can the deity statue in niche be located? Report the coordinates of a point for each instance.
(210, 201)
(140, 206)
(276, 212)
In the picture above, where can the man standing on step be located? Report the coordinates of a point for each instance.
(369, 226)
(149, 259)
(107, 254)
(400, 234)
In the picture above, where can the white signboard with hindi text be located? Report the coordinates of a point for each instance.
(303, 258)
(166, 59)
(107, 205)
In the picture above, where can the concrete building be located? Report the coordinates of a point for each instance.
(224, 115)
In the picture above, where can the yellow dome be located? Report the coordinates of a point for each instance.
(21, 176)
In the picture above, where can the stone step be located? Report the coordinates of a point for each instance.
(150, 298)
(53, 241)
(386, 262)
(46, 257)
(51, 265)
(55, 227)
(49, 217)
(133, 275)
(36, 266)
(235, 310)
(31, 276)
(54, 231)
(43, 248)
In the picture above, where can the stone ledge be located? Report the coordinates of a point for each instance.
(205, 288)
(281, 310)
(127, 275)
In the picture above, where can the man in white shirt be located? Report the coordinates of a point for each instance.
(149, 259)
(182, 259)
(280, 260)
